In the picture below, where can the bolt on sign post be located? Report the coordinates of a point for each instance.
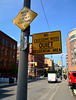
(47, 43)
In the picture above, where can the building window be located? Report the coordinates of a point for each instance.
(6, 52)
(31, 65)
(31, 60)
(32, 55)
(72, 62)
(71, 47)
(10, 63)
(3, 50)
(18, 57)
(6, 42)
(75, 62)
(72, 56)
(74, 46)
(72, 41)
(71, 51)
(13, 62)
(14, 55)
(18, 49)
(1, 62)
(6, 62)
(73, 36)
(18, 53)
(74, 50)
(3, 40)
(67, 63)
(11, 54)
(14, 47)
(11, 45)
(31, 70)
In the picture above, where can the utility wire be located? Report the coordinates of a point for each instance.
(45, 15)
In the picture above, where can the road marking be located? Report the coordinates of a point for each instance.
(54, 92)
(34, 85)
(12, 92)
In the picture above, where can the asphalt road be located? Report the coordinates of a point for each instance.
(37, 90)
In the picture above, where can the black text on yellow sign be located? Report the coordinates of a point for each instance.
(24, 18)
(47, 43)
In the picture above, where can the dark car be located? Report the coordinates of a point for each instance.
(58, 75)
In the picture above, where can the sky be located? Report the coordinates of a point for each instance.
(60, 15)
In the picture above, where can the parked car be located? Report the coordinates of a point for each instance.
(52, 77)
(58, 75)
(72, 78)
(65, 76)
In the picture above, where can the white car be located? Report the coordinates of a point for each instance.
(52, 77)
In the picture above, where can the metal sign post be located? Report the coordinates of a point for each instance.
(62, 64)
(23, 63)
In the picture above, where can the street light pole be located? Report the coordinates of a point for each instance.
(36, 71)
(62, 64)
(23, 62)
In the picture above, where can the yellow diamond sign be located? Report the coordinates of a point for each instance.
(24, 18)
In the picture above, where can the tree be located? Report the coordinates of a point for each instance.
(13, 69)
(49, 71)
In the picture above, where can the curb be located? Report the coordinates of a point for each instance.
(12, 84)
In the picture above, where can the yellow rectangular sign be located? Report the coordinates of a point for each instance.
(47, 43)
(24, 18)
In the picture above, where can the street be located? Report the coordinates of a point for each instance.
(41, 90)
(37, 90)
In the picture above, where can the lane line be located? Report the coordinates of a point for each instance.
(34, 85)
(12, 92)
(50, 98)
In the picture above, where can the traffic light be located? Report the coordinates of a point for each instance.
(64, 71)
(59, 67)
(59, 63)
(35, 63)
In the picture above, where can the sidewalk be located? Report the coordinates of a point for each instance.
(63, 92)
(7, 84)
(15, 83)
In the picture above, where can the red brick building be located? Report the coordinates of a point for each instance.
(71, 50)
(34, 68)
(8, 52)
